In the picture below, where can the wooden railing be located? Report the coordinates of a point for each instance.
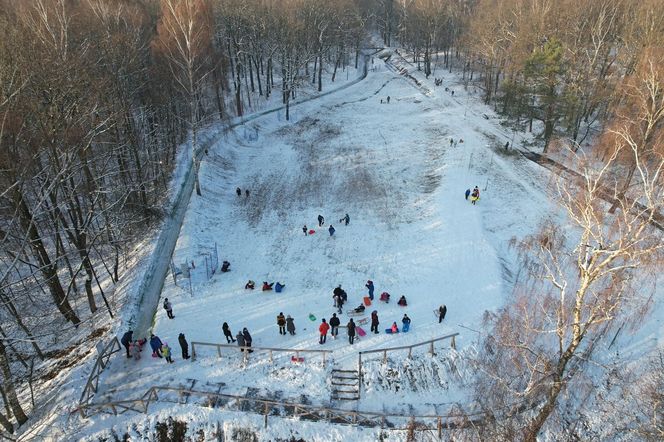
(265, 407)
(245, 350)
(384, 351)
(92, 384)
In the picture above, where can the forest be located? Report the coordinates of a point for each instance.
(99, 97)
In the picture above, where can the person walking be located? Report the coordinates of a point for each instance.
(374, 321)
(442, 311)
(184, 346)
(166, 351)
(345, 219)
(227, 333)
(321, 220)
(290, 325)
(169, 308)
(323, 328)
(247, 338)
(281, 322)
(351, 331)
(240, 341)
(155, 345)
(334, 325)
(127, 340)
(370, 286)
(331, 230)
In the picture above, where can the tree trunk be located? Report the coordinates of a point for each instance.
(8, 387)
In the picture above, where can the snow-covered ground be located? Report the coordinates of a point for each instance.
(392, 168)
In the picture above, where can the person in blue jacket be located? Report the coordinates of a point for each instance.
(467, 193)
(331, 230)
(370, 286)
(278, 287)
(155, 345)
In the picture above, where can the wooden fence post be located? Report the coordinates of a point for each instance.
(431, 348)
(440, 428)
(385, 357)
(410, 352)
(324, 358)
(219, 350)
(270, 353)
(454, 342)
(193, 351)
(267, 410)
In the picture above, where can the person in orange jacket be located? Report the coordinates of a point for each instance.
(323, 328)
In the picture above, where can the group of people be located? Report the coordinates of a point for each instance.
(474, 195)
(453, 142)
(159, 349)
(387, 100)
(238, 192)
(286, 324)
(333, 328)
(278, 287)
(243, 338)
(321, 222)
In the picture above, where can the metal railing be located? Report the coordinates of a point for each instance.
(246, 350)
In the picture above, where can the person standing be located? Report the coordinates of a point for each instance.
(374, 321)
(345, 219)
(246, 193)
(351, 331)
(321, 220)
(169, 308)
(184, 346)
(334, 325)
(370, 286)
(227, 333)
(126, 341)
(238, 191)
(467, 193)
(281, 322)
(388, 99)
(166, 351)
(247, 338)
(304, 229)
(442, 311)
(331, 230)
(340, 303)
(290, 325)
(240, 341)
(323, 328)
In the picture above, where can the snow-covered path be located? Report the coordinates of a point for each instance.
(392, 169)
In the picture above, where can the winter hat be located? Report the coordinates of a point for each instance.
(281, 313)
(289, 317)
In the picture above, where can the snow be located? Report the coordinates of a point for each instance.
(392, 169)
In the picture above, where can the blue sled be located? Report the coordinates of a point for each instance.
(389, 331)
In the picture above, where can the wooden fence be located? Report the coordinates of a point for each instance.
(271, 407)
(384, 351)
(92, 384)
(245, 350)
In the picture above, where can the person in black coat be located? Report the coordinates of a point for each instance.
(442, 311)
(184, 346)
(351, 331)
(240, 341)
(321, 220)
(227, 333)
(334, 325)
(126, 341)
(247, 338)
(290, 325)
(374, 321)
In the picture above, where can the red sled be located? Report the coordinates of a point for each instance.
(367, 301)
(296, 359)
(312, 231)
(360, 331)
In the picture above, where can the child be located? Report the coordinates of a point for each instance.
(250, 285)
(166, 352)
(402, 301)
(267, 286)
(395, 329)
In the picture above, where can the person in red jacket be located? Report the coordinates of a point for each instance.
(323, 328)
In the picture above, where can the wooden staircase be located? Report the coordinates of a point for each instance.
(345, 385)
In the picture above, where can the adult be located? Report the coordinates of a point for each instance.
(370, 286)
(126, 341)
(250, 285)
(345, 219)
(442, 311)
(238, 191)
(225, 266)
(304, 229)
(351, 331)
(227, 333)
(155, 345)
(340, 303)
(467, 193)
(331, 230)
(246, 193)
(247, 338)
(290, 325)
(405, 321)
(281, 322)
(267, 286)
(278, 287)
(334, 325)
(323, 328)
(240, 341)
(402, 301)
(388, 99)
(374, 321)
(184, 346)
(321, 220)
(169, 308)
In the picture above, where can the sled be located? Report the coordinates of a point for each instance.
(363, 321)
(367, 301)
(354, 313)
(296, 359)
(312, 231)
(312, 317)
(360, 331)
(389, 331)
(405, 328)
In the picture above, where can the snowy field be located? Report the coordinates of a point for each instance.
(392, 169)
